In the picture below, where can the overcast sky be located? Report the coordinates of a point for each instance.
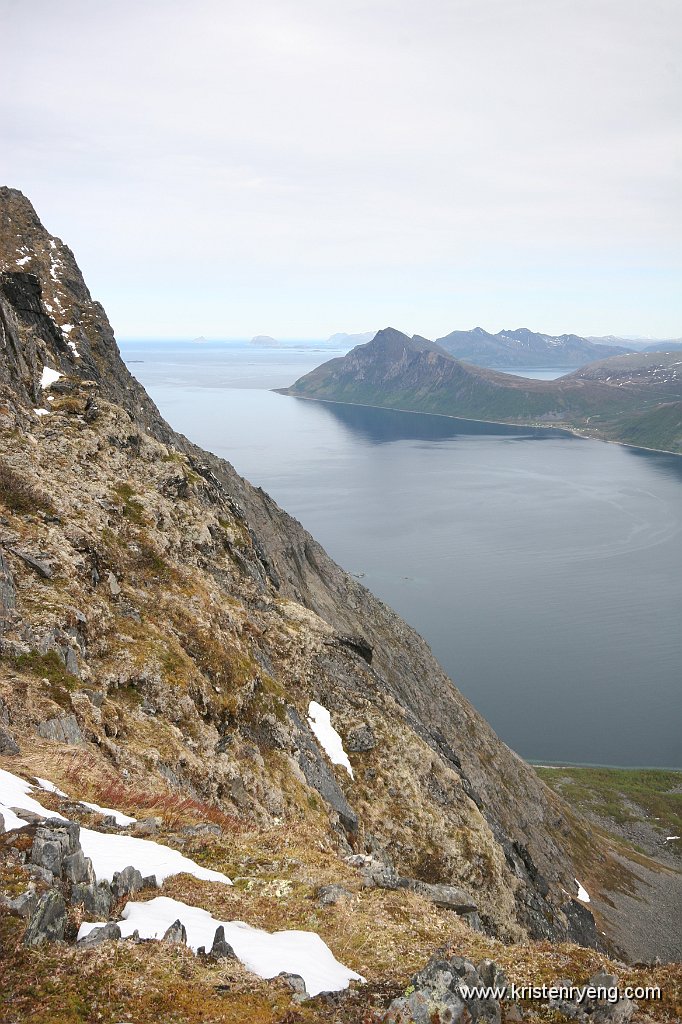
(300, 167)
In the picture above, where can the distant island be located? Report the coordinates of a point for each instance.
(634, 398)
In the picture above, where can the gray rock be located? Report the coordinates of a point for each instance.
(42, 568)
(147, 826)
(294, 981)
(8, 745)
(54, 844)
(360, 740)
(25, 904)
(30, 816)
(176, 933)
(436, 995)
(126, 882)
(377, 874)
(114, 587)
(330, 895)
(64, 729)
(2, 823)
(96, 898)
(8, 594)
(78, 868)
(449, 897)
(221, 948)
(319, 775)
(48, 921)
(71, 661)
(105, 933)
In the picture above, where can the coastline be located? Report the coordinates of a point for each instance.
(559, 429)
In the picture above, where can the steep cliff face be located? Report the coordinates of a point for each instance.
(181, 623)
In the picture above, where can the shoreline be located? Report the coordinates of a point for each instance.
(571, 431)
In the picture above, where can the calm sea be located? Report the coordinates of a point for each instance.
(544, 570)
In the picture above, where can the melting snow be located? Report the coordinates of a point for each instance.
(108, 853)
(111, 853)
(264, 953)
(49, 377)
(72, 346)
(23, 261)
(14, 792)
(50, 787)
(327, 736)
(119, 816)
(582, 893)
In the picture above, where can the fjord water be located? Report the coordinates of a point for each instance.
(544, 570)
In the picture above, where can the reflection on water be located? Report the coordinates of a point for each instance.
(546, 575)
(392, 425)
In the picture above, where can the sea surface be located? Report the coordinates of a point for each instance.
(544, 570)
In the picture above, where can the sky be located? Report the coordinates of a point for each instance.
(301, 167)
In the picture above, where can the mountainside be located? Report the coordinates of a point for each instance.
(175, 648)
(525, 348)
(605, 399)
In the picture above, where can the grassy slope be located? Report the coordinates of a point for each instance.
(622, 794)
(624, 398)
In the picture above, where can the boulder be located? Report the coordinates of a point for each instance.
(42, 568)
(294, 981)
(95, 897)
(221, 948)
(176, 933)
(56, 846)
(440, 992)
(449, 897)
(48, 920)
(603, 1008)
(8, 744)
(104, 933)
(330, 895)
(63, 729)
(126, 882)
(360, 740)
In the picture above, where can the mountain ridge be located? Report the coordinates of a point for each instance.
(605, 399)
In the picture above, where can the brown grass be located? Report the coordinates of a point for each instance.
(20, 495)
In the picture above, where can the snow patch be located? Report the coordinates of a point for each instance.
(72, 346)
(264, 953)
(49, 377)
(23, 261)
(111, 853)
(41, 412)
(327, 736)
(108, 853)
(50, 787)
(67, 328)
(583, 894)
(14, 792)
(119, 817)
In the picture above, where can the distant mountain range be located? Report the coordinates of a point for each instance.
(523, 347)
(634, 398)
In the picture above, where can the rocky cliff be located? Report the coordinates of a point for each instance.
(164, 627)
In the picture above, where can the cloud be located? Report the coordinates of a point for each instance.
(284, 156)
